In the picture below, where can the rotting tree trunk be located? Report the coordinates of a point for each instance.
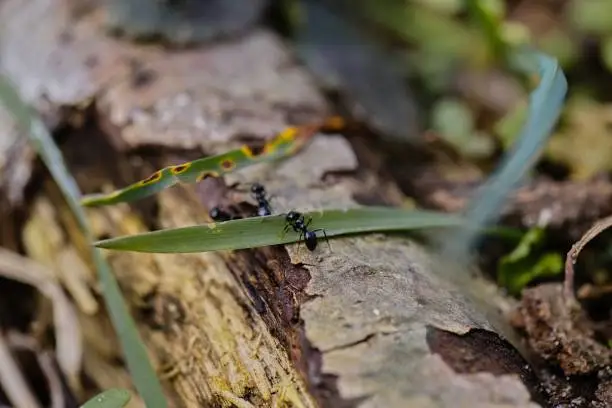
(375, 323)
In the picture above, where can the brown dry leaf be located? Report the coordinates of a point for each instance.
(573, 253)
(585, 143)
(47, 365)
(11, 379)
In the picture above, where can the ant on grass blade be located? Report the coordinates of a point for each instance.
(297, 222)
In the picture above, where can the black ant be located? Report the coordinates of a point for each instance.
(297, 221)
(217, 214)
(259, 194)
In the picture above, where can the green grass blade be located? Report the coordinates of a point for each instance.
(138, 363)
(113, 398)
(286, 143)
(545, 104)
(491, 27)
(264, 231)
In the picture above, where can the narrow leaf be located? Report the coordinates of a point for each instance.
(284, 144)
(264, 231)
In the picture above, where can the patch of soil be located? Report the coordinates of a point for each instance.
(573, 366)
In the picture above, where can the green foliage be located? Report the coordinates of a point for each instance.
(454, 121)
(591, 16)
(526, 263)
(138, 363)
(264, 231)
(422, 25)
(488, 15)
(560, 43)
(442, 6)
(112, 398)
(583, 144)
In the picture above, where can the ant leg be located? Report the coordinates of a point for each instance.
(269, 198)
(307, 224)
(325, 235)
(285, 230)
(326, 240)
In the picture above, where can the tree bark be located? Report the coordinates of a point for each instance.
(376, 322)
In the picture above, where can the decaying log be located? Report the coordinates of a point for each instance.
(376, 322)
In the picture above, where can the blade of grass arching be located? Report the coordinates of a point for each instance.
(143, 375)
(113, 398)
(286, 143)
(491, 26)
(264, 231)
(545, 104)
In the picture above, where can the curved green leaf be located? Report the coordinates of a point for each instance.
(545, 104)
(286, 143)
(113, 398)
(264, 231)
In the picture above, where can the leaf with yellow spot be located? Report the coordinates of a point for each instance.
(286, 143)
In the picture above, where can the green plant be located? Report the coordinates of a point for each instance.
(526, 263)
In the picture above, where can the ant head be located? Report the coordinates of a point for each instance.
(257, 188)
(214, 212)
(292, 216)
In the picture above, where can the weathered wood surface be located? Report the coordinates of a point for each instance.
(378, 322)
